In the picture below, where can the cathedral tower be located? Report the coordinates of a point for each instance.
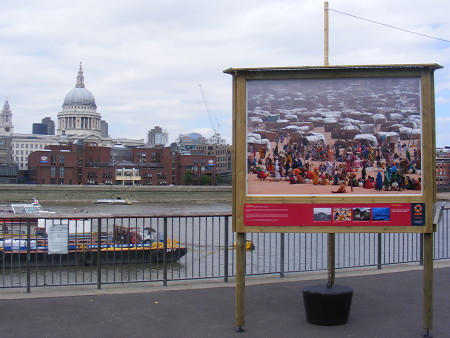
(6, 126)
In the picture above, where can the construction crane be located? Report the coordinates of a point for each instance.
(216, 130)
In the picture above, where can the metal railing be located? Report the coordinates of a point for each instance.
(132, 249)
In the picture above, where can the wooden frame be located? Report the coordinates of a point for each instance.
(243, 201)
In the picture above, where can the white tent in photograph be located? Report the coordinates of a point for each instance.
(367, 138)
(316, 138)
(256, 139)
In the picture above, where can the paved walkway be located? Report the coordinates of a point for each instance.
(387, 304)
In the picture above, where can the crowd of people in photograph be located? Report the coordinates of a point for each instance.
(347, 163)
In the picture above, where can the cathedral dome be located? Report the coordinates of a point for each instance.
(79, 116)
(79, 95)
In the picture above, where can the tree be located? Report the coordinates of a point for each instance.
(219, 179)
(188, 178)
(204, 180)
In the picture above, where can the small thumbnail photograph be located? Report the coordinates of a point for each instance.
(381, 214)
(361, 214)
(342, 214)
(322, 214)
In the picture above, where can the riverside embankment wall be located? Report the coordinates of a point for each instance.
(69, 193)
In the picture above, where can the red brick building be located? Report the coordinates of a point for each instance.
(85, 164)
(196, 167)
(53, 167)
(443, 168)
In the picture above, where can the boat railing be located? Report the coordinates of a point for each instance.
(185, 247)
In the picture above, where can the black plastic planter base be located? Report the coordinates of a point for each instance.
(327, 306)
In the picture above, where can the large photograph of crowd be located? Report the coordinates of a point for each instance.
(334, 136)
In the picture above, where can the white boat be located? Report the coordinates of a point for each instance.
(29, 208)
(76, 225)
(113, 201)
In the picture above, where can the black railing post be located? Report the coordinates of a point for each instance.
(379, 251)
(282, 255)
(28, 255)
(99, 253)
(165, 253)
(225, 267)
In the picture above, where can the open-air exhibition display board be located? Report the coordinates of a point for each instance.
(334, 149)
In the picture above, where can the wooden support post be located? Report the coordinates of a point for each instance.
(240, 280)
(331, 237)
(428, 282)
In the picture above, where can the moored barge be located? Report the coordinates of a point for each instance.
(78, 244)
(88, 255)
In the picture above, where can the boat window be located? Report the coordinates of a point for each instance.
(32, 209)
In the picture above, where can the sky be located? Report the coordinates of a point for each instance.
(145, 60)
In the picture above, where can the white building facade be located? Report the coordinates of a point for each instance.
(24, 144)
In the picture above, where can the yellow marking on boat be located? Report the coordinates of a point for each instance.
(126, 249)
(134, 248)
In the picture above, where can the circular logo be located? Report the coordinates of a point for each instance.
(418, 208)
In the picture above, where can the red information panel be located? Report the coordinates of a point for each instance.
(345, 214)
